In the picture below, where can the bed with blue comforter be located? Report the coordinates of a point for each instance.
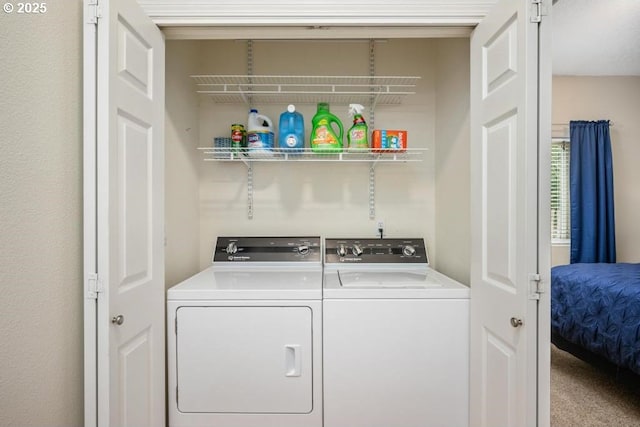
(597, 307)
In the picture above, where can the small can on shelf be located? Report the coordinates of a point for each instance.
(238, 138)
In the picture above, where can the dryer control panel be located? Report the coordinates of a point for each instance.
(376, 251)
(267, 249)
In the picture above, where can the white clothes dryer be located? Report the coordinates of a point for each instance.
(396, 337)
(245, 337)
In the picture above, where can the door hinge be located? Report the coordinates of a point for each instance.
(536, 11)
(94, 12)
(94, 286)
(535, 286)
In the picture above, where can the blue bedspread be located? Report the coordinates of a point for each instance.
(597, 306)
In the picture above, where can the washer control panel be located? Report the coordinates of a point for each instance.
(267, 249)
(375, 251)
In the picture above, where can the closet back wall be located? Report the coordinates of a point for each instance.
(329, 199)
(430, 198)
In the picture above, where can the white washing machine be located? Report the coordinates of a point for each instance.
(395, 337)
(245, 337)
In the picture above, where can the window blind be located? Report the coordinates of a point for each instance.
(560, 207)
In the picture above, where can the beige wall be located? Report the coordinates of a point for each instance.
(41, 361)
(616, 99)
(182, 215)
(322, 199)
(560, 254)
(429, 198)
(453, 235)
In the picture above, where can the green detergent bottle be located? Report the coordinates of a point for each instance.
(324, 138)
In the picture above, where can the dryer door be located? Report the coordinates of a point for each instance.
(244, 360)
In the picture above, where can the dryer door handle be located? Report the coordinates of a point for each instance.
(292, 362)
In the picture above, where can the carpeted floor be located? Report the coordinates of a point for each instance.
(583, 396)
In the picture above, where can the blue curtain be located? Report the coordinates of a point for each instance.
(591, 185)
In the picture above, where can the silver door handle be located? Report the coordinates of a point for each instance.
(516, 322)
(118, 320)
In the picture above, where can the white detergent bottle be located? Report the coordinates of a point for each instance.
(259, 134)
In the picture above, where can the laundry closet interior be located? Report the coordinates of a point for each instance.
(423, 193)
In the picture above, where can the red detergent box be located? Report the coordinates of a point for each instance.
(386, 140)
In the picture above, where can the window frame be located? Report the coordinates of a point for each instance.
(565, 182)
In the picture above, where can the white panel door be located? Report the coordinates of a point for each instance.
(504, 202)
(130, 217)
(244, 360)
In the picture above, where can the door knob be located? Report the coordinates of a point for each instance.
(516, 322)
(118, 320)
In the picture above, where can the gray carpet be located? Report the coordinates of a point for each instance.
(583, 396)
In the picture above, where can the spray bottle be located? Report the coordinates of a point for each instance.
(358, 134)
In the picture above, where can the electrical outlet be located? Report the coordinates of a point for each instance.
(380, 229)
(380, 224)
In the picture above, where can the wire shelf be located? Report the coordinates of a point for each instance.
(269, 89)
(226, 154)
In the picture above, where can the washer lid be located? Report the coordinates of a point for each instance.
(392, 283)
(388, 279)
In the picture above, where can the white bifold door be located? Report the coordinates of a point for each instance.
(509, 82)
(124, 264)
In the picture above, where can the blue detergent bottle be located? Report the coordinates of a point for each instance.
(291, 130)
